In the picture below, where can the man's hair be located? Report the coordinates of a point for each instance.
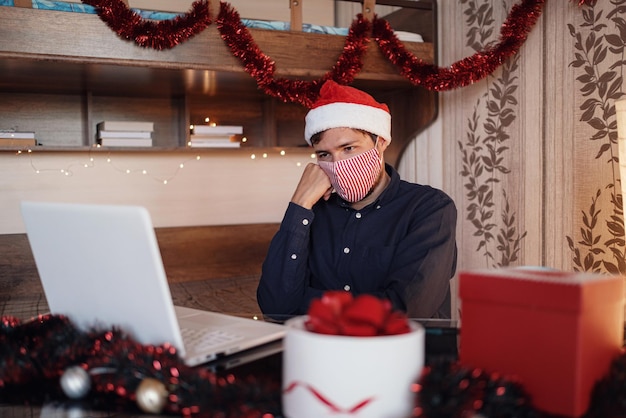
(318, 136)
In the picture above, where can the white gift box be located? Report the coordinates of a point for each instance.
(339, 376)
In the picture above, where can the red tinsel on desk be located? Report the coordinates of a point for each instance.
(48, 360)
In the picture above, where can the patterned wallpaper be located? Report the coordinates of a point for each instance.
(597, 244)
(530, 153)
(485, 149)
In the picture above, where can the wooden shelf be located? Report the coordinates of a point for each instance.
(85, 39)
(163, 150)
(64, 72)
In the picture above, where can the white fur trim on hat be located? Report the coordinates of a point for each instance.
(348, 115)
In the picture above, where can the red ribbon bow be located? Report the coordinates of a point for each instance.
(339, 313)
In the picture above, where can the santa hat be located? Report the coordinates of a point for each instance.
(341, 106)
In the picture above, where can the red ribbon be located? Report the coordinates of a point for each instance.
(321, 398)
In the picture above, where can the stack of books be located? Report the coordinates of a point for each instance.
(125, 134)
(215, 136)
(17, 139)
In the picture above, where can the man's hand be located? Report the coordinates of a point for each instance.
(314, 184)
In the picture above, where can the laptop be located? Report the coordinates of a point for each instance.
(100, 265)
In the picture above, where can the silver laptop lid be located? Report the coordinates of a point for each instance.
(100, 265)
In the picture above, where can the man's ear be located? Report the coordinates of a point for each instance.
(382, 144)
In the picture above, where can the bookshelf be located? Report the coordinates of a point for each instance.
(61, 73)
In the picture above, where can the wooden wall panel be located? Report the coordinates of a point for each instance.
(218, 189)
(559, 144)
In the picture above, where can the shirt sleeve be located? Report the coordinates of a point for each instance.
(284, 285)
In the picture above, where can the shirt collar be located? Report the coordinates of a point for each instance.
(392, 188)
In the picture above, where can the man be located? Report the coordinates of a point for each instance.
(353, 224)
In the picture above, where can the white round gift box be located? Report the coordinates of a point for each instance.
(340, 376)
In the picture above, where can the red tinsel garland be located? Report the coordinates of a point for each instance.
(166, 34)
(35, 355)
(160, 35)
(262, 68)
(513, 33)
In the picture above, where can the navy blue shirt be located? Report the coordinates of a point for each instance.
(402, 247)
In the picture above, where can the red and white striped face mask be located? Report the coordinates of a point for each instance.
(354, 177)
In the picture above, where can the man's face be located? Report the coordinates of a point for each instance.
(340, 143)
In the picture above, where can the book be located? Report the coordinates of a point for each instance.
(123, 125)
(17, 135)
(17, 142)
(125, 142)
(217, 130)
(199, 143)
(225, 138)
(205, 145)
(124, 134)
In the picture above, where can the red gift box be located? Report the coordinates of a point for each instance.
(555, 332)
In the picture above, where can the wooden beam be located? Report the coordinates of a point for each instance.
(368, 9)
(296, 15)
(23, 3)
(214, 9)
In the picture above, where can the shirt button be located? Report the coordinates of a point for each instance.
(377, 206)
(346, 287)
(358, 215)
(305, 222)
(294, 256)
(346, 250)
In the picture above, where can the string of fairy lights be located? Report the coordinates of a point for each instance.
(94, 155)
(72, 169)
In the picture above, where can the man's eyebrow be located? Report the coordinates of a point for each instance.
(346, 143)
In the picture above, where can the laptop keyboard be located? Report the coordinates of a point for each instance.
(204, 339)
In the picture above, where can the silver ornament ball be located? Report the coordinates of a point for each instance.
(75, 382)
(151, 395)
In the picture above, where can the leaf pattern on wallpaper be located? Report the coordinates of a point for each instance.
(484, 151)
(599, 57)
